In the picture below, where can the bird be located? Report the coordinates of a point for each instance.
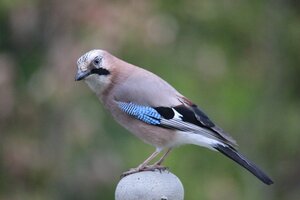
(154, 111)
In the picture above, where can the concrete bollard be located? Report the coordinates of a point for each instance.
(150, 185)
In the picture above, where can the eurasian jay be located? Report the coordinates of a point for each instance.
(154, 111)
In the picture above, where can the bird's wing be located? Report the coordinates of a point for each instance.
(181, 117)
(138, 97)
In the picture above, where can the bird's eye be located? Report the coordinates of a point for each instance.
(97, 61)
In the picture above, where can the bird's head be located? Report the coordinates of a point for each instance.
(95, 68)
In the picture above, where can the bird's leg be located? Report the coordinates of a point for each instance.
(158, 163)
(141, 167)
(145, 163)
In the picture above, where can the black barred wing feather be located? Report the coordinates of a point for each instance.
(143, 113)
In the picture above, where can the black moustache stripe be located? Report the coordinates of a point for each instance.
(100, 71)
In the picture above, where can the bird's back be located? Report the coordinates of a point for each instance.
(134, 84)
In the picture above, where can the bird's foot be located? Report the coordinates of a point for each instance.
(143, 169)
(130, 171)
(155, 167)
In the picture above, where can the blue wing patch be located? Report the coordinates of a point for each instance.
(144, 113)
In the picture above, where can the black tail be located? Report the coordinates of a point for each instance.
(234, 155)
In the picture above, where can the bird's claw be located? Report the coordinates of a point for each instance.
(155, 167)
(130, 171)
(143, 169)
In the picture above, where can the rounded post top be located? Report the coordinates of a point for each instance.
(150, 185)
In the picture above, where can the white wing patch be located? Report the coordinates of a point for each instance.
(177, 115)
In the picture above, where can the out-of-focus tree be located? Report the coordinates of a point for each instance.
(239, 60)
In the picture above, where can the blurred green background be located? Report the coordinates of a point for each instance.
(238, 60)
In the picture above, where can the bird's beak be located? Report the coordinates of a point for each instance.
(81, 75)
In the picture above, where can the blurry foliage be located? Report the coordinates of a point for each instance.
(239, 60)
